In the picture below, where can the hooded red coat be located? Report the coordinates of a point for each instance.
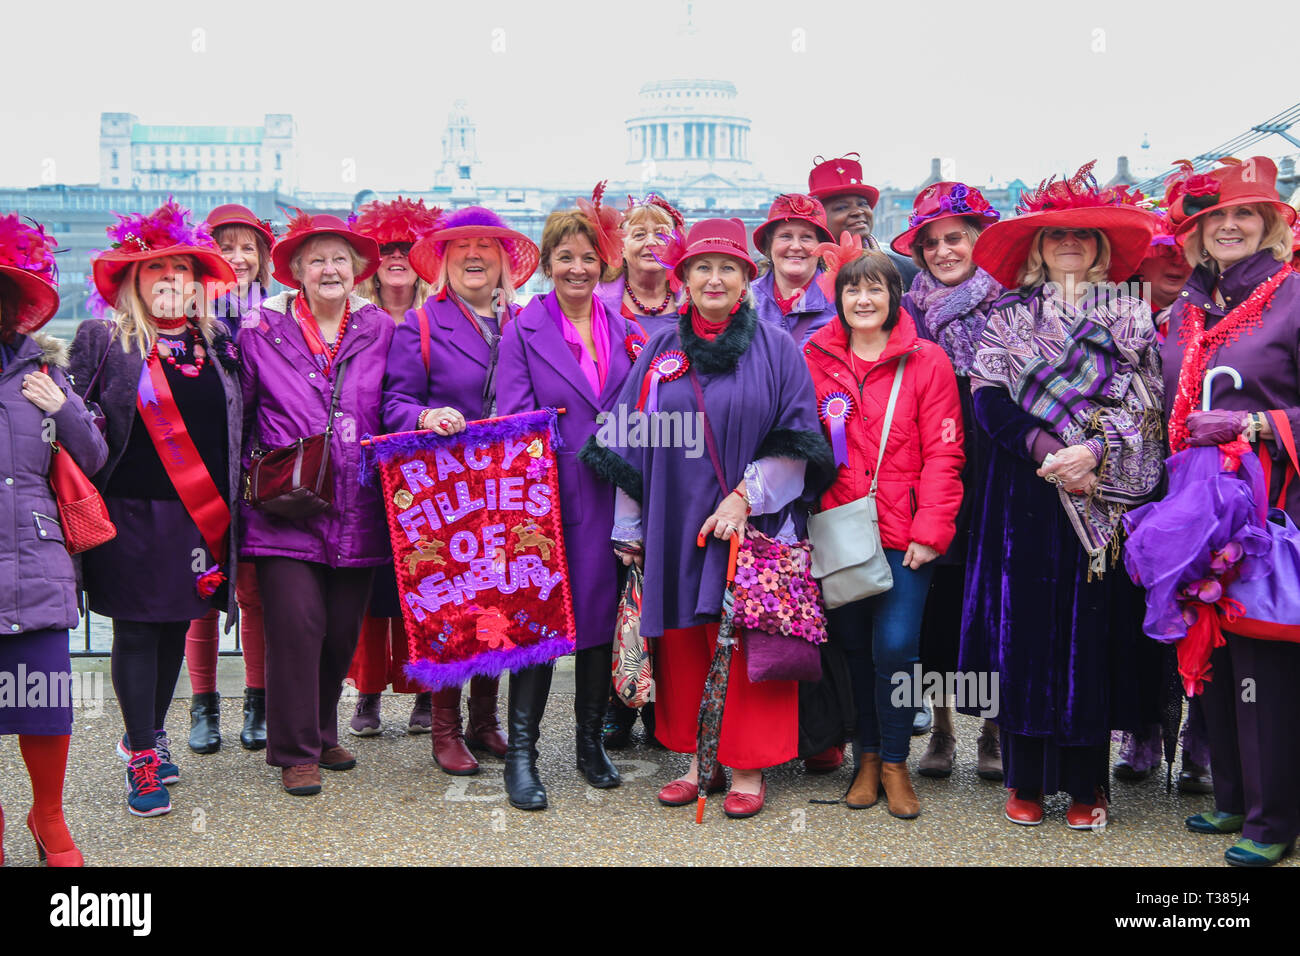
(920, 480)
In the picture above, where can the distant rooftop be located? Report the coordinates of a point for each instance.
(202, 135)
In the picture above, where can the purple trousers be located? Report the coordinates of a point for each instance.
(312, 618)
(1252, 712)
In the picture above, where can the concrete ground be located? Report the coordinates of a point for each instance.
(397, 807)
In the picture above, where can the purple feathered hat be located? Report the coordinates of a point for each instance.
(470, 223)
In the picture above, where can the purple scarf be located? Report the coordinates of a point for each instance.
(596, 371)
(954, 316)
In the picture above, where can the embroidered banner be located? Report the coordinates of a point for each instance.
(478, 546)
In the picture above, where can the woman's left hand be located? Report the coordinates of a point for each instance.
(1070, 465)
(40, 390)
(730, 518)
(918, 554)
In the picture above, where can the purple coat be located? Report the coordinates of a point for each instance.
(809, 314)
(1268, 357)
(286, 397)
(538, 370)
(38, 587)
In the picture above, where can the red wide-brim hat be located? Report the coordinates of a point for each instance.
(1242, 198)
(426, 255)
(110, 268)
(721, 236)
(792, 208)
(306, 227)
(233, 214)
(37, 299)
(1003, 247)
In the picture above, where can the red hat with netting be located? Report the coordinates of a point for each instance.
(607, 222)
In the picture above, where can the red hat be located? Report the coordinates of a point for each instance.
(474, 222)
(793, 206)
(1076, 203)
(1236, 183)
(398, 221)
(725, 236)
(27, 262)
(831, 177)
(944, 201)
(305, 227)
(167, 231)
(233, 214)
(606, 221)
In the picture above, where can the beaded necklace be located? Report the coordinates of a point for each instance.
(645, 309)
(196, 349)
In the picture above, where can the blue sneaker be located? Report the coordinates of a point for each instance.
(168, 772)
(145, 795)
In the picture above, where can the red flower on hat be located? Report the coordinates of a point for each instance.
(801, 205)
(605, 221)
(1202, 185)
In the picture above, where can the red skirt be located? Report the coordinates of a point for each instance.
(760, 723)
(381, 655)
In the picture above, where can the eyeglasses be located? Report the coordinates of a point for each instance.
(388, 248)
(950, 240)
(1083, 235)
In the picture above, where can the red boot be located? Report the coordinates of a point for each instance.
(449, 750)
(483, 732)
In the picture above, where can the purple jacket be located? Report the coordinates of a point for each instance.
(809, 314)
(538, 370)
(286, 397)
(37, 580)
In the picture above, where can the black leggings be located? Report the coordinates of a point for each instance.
(147, 660)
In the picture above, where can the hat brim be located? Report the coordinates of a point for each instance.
(761, 240)
(861, 189)
(38, 299)
(1003, 247)
(110, 268)
(282, 254)
(256, 227)
(1287, 212)
(718, 249)
(426, 255)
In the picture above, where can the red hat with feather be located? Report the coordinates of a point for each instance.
(303, 227)
(401, 220)
(27, 266)
(1190, 196)
(720, 236)
(167, 231)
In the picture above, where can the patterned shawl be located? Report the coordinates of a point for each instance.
(1090, 372)
(954, 316)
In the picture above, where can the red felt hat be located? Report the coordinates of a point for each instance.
(398, 221)
(724, 236)
(831, 177)
(27, 264)
(1236, 183)
(167, 231)
(233, 214)
(475, 222)
(797, 207)
(1077, 203)
(944, 201)
(304, 227)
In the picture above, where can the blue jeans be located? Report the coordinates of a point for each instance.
(881, 637)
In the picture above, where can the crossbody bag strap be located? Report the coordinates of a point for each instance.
(112, 337)
(424, 335)
(889, 417)
(708, 434)
(334, 396)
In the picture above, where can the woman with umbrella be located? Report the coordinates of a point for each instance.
(749, 382)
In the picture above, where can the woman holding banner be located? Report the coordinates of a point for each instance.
(164, 373)
(567, 350)
(442, 372)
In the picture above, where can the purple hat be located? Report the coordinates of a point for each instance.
(470, 223)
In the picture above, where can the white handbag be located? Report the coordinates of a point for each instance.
(847, 557)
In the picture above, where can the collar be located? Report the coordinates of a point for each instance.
(280, 303)
(723, 353)
(1235, 284)
(812, 300)
(833, 339)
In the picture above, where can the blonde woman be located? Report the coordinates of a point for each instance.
(163, 373)
(645, 291)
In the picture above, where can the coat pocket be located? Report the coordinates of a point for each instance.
(47, 528)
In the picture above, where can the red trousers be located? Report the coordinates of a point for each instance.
(381, 655)
(760, 723)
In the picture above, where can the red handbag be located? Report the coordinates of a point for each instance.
(82, 511)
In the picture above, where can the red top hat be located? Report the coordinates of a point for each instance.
(943, 201)
(797, 207)
(398, 221)
(305, 227)
(27, 263)
(831, 177)
(725, 236)
(474, 222)
(1236, 183)
(167, 231)
(1077, 203)
(233, 214)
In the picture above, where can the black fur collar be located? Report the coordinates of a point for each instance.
(724, 352)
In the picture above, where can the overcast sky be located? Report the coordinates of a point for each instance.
(1005, 89)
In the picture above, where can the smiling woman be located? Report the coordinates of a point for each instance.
(786, 295)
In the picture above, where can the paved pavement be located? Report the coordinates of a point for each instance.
(396, 807)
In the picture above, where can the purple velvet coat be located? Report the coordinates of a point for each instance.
(809, 314)
(286, 397)
(538, 370)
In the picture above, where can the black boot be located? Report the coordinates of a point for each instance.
(253, 736)
(591, 693)
(527, 701)
(619, 719)
(205, 723)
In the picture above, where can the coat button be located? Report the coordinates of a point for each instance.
(277, 341)
(311, 374)
(42, 532)
(9, 481)
(13, 627)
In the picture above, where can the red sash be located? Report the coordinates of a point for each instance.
(182, 462)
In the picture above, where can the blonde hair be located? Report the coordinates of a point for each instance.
(1276, 239)
(295, 263)
(1034, 272)
(238, 233)
(560, 226)
(504, 285)
(660, 218)
(135, 323)
(970, 228)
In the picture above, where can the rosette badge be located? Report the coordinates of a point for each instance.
(665, 367)
(834, 411)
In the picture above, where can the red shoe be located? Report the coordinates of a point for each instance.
(830, 759)
(1028, 813)
(740, 805)
(679, 793)
(1088, 816)
(61, 858)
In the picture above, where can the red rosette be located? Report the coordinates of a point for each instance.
(634, 344)
(665, 367)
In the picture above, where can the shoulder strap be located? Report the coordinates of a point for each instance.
(889, 418)
(334, 396)
(111, 339)
(424, 335)
(708, 434)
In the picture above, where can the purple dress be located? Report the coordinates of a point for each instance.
(538, 370)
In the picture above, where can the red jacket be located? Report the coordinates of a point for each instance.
(920, 480)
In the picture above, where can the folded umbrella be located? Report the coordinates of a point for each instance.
(715, 685)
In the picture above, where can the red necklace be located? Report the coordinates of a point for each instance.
(645, 309)
(196, 349)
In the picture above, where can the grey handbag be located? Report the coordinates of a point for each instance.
(847, 556)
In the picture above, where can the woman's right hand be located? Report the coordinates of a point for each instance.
(444, 421)
(631, 559)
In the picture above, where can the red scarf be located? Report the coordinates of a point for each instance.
(324, 352)
(1200, 346)
(784, 304)
(710, 330)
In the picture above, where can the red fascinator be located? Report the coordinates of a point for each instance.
(835, 257)
(606, 221)
(401, 220)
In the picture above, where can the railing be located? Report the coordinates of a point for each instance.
(97, 637)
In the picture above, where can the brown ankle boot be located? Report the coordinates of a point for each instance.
(449, 750)
(866, 785)
(897, 781)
